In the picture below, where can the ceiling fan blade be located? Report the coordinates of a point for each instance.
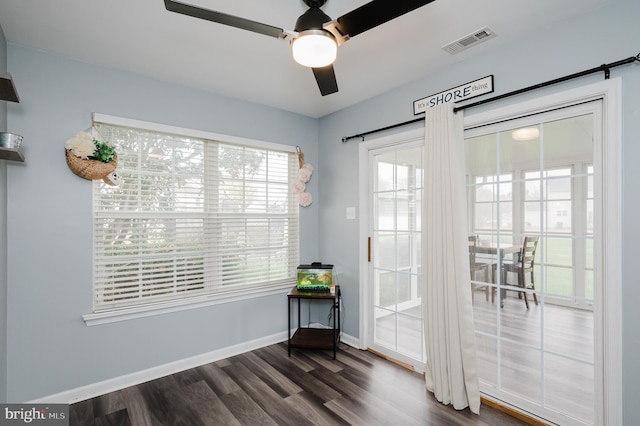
(326, 79)
(223, 18)
(374, 13)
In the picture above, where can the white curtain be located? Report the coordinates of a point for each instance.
(451, 371)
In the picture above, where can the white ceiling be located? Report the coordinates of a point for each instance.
(142, 37)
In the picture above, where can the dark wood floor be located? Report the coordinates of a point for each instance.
(266, 387)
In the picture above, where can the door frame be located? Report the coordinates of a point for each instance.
(608, 262)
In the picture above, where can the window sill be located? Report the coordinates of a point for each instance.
(126, 314)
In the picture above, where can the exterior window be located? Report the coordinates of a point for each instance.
(548, 200)
(493, 203)
(193, 219)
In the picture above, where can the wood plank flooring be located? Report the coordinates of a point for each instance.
(547, 362)
(266, 387)
(545, 359)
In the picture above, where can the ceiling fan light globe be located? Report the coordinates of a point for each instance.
(315, 48)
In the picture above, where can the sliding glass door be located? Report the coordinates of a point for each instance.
(395, 199)
(559, 359)
(534, 177)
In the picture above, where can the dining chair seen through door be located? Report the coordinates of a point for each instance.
(523, 268)
(476, 267)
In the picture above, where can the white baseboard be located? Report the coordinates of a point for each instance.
(351, 341)
(117, 383)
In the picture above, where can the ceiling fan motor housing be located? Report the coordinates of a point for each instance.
(315, 3)
(312, 19)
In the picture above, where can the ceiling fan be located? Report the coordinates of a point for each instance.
(316, 37)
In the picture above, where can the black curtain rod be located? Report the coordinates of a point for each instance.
(362, 135)
(604, 67)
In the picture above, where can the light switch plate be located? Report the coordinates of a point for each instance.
(351, 213)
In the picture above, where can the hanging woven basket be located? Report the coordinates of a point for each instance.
(90, 169)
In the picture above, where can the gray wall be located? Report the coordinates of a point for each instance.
(604, 36)
(50, 349)
(3, 235)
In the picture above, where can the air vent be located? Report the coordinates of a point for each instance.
(465, 42)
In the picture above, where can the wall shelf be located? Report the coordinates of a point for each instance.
(11, 154)
(8, 90)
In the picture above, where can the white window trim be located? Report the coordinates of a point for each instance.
(183, 131)
(608, 346)
(177, 306)
(125, 314)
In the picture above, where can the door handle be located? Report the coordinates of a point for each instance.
(369, 249)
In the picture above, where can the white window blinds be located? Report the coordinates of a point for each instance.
(192, 219)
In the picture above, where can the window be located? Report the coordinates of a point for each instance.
(556, 207)
(543, 189)
(194, 219)
(493, 203)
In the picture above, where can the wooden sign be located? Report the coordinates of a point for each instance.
(457, 94)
